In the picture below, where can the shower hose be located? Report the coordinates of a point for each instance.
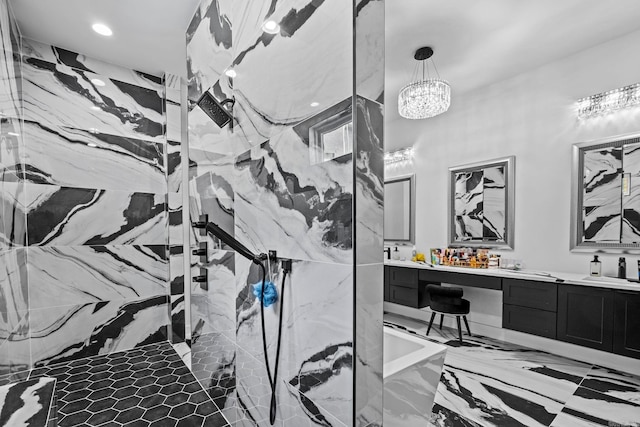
(272, 379)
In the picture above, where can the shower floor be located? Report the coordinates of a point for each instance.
(146, 386)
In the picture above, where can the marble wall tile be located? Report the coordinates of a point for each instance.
(14, 291)
(10, 84)
(369, 49)
(174, 167)
(316, 351)
(74, 331)
(212, 194)
(173, 114)
(369, 289)
(601, 196)
(81, 158)
(213, 303)
(176, 235)
(209, 45)
(369, 185)
(284, 202)
(317, 342)
(12, 214)
(79, 216)
(57, 55)
(176, 283)
(56, 94)
(11, 150)
(75, 275)
(15, 351)
(311, 57)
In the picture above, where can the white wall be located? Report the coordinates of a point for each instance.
(531, 116)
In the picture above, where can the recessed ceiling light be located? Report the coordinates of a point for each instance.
(314, 104)
(97, 82)
(95, 107)
(231, 73)
(13, 134)
(92, 145)
(102, 29)
(271, 27)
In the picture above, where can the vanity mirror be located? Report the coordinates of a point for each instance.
(605, 195)
(399, 209)
(481, 204)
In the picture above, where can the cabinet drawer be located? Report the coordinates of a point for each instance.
(475, 280)
(529, 293)
(404, 296)
(529, 320)
(407, 277)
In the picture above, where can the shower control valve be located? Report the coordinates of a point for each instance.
(201, 252)
(201, 224)
(203, 279)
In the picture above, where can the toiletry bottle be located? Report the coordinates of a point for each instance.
(622, 268)
(596, 267)
(413, 252)
(396, 254)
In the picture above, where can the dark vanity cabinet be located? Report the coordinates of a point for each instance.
(530, 306)
(601, 318)
(403, 287)
(626, 323)
(585, 316)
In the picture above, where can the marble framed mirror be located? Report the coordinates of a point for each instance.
(481, 204)
(605, 195)
(399, 210)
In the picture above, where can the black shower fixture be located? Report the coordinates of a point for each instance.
(217, 111)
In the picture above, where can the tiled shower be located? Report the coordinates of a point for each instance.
(261, 181)
(96, 161)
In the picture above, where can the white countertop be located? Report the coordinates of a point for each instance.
(542, 276)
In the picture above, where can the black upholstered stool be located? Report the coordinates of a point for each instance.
(446, 300)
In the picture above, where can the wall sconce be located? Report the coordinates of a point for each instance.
(398, 156)
(608, 102)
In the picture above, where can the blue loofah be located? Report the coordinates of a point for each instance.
(270, 292)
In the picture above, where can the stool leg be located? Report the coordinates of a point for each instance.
(441, 317)
(433, 316)
(459, 329)
(467, 325)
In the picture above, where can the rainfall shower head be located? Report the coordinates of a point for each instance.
(214, 109)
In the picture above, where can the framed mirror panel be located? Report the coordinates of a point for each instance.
(481, 204)
(605, 195)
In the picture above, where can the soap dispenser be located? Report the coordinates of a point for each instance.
(596, 267)
(396, 254)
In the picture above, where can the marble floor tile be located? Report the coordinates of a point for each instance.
(613, 383)
(26, 403)
(591, 408)
(488, 382)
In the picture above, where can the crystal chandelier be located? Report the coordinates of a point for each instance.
(424, 98)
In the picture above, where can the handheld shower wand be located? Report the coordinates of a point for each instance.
(218, 232)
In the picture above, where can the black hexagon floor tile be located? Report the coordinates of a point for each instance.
(146, 386)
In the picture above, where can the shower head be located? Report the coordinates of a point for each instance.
(214, 109)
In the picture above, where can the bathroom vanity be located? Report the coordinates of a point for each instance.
(601, 313)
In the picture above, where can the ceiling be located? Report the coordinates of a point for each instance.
(148, 35)
(475, 42)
